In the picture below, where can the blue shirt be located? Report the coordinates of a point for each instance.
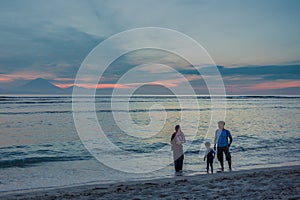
(222, 137)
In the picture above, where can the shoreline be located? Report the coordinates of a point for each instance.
(276, 182)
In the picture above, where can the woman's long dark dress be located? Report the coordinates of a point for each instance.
(178, 156)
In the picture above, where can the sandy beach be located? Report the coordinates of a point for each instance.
(138, 100)
(267, 183)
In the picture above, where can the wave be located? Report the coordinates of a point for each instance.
(35, 102)
(138, 110)
(238, 149)
(262, 97)
(23, 162)
(145, 97)
(138, 148)
(107, 111)
(37, 112)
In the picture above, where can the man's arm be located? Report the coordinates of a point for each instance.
(215, 142)
(230, 139)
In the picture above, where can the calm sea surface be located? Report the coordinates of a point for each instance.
(40, 147)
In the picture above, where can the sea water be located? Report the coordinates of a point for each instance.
(40, 146)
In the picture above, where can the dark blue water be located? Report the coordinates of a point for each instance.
(39, 143)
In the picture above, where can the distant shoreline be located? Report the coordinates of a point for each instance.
(150, 95)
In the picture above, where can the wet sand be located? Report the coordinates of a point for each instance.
(266, 183)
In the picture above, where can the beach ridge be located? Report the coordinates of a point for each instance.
(264, 183)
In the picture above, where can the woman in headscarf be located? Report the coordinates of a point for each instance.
(177, 140)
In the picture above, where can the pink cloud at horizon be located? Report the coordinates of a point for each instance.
(250, 87)
(5, 79)
(167, 83)
(272, 85)
(91, 86)
(110, 85)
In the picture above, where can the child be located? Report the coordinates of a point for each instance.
(209, 156)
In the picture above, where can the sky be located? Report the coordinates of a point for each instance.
(254, 43)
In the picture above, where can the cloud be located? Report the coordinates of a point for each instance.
(60, 53)
(50, 39)
(267, 36)
(271, 85)
(269, 72)
(93, 86)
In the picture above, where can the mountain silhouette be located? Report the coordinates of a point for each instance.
(36, 86)
(42, 86)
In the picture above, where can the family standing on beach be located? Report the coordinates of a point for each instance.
(222, 142)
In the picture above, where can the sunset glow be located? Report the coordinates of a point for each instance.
(271, 85)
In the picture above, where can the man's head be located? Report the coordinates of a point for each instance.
(221, 124)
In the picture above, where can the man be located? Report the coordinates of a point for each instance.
(221, 140)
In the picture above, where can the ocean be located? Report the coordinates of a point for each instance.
(40, 146)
